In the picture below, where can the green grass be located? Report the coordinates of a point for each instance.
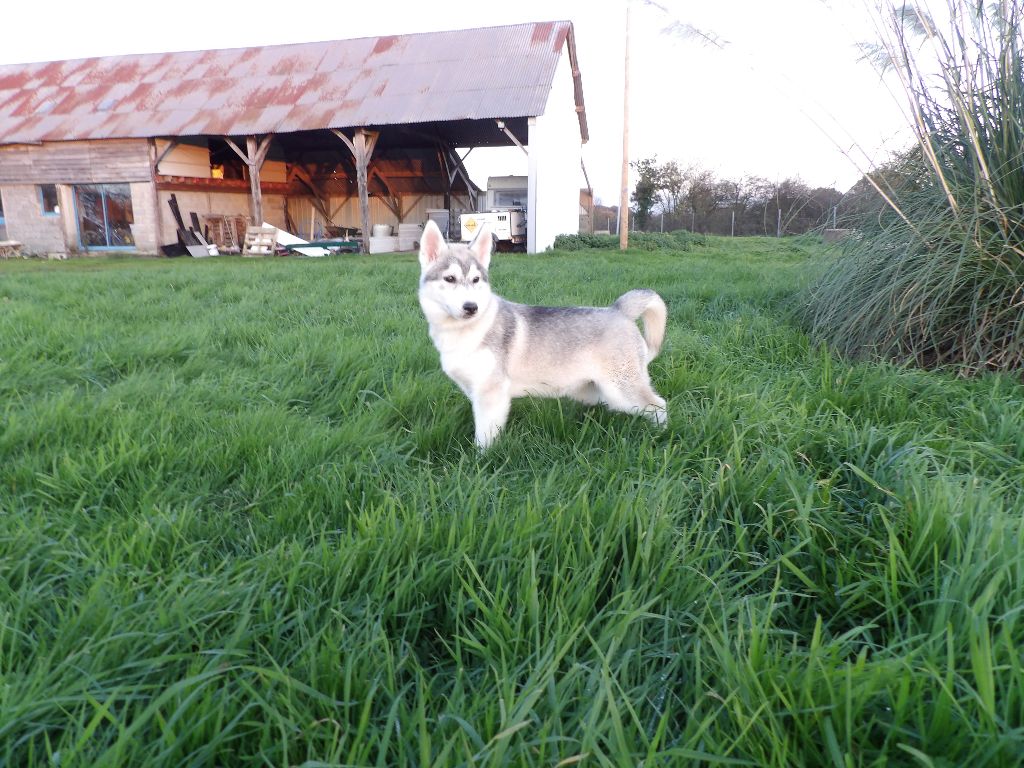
(244, 524)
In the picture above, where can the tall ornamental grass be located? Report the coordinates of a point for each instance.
(936, 277)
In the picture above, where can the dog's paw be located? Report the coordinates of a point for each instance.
(658, 416)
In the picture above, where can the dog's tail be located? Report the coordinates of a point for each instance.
(648, 305)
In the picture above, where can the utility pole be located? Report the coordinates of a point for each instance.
(624, 196)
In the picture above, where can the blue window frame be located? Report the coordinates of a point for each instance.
(48, 200)
(105, 216)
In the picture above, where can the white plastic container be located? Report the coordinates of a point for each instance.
(409, 236)
(439, 216)
(383, 244)
(381, 230)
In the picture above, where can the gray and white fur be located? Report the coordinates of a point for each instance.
(495, 349)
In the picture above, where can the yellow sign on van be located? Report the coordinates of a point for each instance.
(470, 224)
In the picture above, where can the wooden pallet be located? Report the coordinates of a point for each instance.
(259, 241)
(9, 248)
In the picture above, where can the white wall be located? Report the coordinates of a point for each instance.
(184, 160)
(555, 171)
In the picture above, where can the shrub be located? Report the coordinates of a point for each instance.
(937, 277)
(680, 240)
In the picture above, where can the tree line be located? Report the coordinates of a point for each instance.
(669, 197)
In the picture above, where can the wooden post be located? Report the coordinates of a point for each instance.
(361, 146)
(256, 199)
(253, 157)
(442, 158)
(362, 182)
(158, 221)
(624, 196)
(458, 168)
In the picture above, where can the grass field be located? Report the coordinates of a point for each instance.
(244, 524)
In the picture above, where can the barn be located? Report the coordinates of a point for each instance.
(314, 138)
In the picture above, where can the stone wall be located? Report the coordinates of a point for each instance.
(145, 229)
(58, 233)
(26, 222)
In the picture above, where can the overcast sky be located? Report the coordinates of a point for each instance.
(782, 93)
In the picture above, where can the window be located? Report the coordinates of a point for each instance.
(48, 199)
(105, 215)
(510, 199)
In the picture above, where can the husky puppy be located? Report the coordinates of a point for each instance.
(496, 350)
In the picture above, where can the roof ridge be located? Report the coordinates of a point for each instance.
(140, 54)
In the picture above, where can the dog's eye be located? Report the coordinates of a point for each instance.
(449, 278)
(476, 279)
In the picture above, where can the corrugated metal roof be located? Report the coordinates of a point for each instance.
(494, 72)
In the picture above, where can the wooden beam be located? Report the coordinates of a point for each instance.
(392, 201)
(460, 170)
(362, 162)
(342, 204)
(254, 156)
(320, 200)
(389, 203)
(371, 139)
(159, 219)
(362, 145)
(321, 207)
(193, 183)
(238, 151)
(346, 140)
(256, 194)
(411, 206)
(263, 149)
(289, 222)
(517, 142)
(442, 160)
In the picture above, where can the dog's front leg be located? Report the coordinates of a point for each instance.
(491, 404)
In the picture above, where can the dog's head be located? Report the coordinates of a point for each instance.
(453, 277)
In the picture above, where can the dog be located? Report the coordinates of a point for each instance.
(496, 350)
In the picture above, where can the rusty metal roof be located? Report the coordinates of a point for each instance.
(494, 72)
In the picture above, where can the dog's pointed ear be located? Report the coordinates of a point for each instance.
(431, 244)
(482, 246)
